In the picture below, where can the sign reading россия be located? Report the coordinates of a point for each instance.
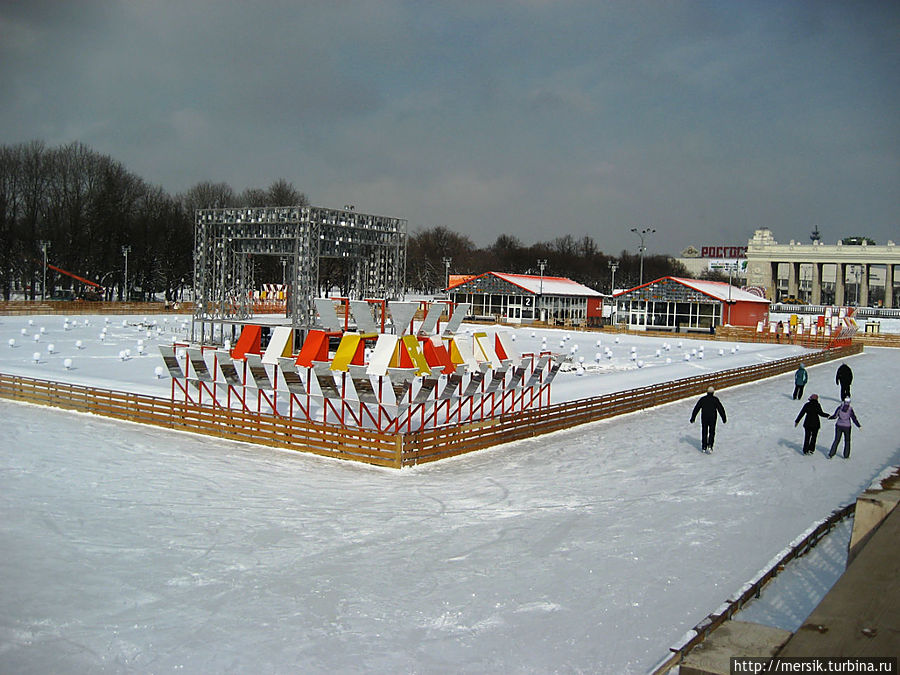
(723, 251)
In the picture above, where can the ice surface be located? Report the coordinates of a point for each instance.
(98, 362)
(792, 595)
(133, 549)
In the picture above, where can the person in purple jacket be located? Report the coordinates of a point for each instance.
(844, 416)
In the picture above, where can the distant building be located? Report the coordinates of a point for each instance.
(681, 305)
(839, 274)
(715, 258)
(523, 298)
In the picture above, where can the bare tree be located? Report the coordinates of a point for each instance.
(283, 193)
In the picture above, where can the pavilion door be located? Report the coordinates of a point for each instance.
(637, 318)
(521, 310)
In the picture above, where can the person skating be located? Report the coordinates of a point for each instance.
(709, 408)
(812, 410)
(844, 377)
(844, 415)
(800, 379)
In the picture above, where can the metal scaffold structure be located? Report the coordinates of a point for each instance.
(226, 239)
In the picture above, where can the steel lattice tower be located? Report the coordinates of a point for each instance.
(226, 239)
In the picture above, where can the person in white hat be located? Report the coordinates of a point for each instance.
(844, 416)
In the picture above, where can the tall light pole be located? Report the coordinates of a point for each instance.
(613, 266)
(730, 271)
(447, 262)
(125, 250)
(642, 233)
(44, 246)
(542, 263)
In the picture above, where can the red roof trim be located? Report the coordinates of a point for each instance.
(510, 278)
(687, 282)
(465, 281)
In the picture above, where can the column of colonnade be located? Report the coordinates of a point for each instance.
(889, 286)
(765, 255)
(816, 296)
(840, 281)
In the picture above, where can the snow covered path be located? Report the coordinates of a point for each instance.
(132, 549)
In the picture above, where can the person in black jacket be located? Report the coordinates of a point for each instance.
(844, 377)
(811, 425)
(709, 408)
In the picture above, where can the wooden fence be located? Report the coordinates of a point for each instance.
(433, 444)
(743, 334)
(371, 447)
(14, 307)
(281, 432)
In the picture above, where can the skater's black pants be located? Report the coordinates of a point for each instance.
(838, 432)
(809, 440)
(798, 392)
(707, 434)
(845, 391)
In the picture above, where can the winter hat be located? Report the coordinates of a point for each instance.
(814, 397)
(847, 400)
(710, 390)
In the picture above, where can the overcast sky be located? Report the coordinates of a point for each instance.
(703, 120)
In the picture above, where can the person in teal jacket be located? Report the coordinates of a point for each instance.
(800, 379)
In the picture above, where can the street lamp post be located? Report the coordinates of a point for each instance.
(613, 266)
(125, 251)
(44, 246)
(447, 262)
(642, 233)
(542, 263)
(730, 271)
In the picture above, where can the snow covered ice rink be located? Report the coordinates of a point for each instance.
(133, 549)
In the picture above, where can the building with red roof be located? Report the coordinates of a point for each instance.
(523, 298)
(677, 304)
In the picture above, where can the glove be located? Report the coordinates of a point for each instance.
(796, 424)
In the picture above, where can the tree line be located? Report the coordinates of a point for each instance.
(578, 259)
(83, 207)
